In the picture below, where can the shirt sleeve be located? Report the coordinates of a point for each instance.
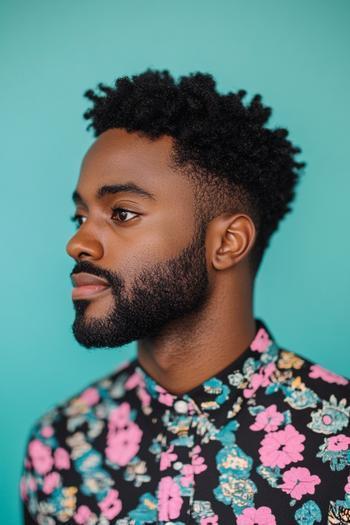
(27, 518)
(29, 482)
(38, 477)
(31, 476)
(46, 491)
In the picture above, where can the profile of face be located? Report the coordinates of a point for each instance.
(145, 242)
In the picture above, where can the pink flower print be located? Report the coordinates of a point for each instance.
(135, 380)
(167, 457)
(260, 516)
(23, 488)
(111, 505)
(144, 397)
(317, 371)
(298, 481)
(47, 431)
(188, 475)
(211, 520)
(90, 396)
(165, 397)
(198, 464)
(41, 456)
(123, 445)
(259, 379)
(27, 482)
(119, 417)
(51, 481)
(268, 420)
(347, 486)
(338, 442)
(169, 499)
(281, 447)
(82, 515)
(62, 459)
(196, 467)
(123, 437)
(261, 341)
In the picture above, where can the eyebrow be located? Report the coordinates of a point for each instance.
(112, 189)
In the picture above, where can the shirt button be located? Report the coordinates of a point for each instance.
(181, 406)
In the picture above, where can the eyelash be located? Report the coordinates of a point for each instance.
(75, 218)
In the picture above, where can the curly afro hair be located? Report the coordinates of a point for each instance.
(234, 161)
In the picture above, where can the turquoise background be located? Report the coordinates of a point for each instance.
(295, 53)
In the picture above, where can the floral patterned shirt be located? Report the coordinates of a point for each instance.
(264, 442)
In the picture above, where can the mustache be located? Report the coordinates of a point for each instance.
(86, 266)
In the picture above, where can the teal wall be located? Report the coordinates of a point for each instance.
(295, 53)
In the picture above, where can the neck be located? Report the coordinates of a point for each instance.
(189, 351)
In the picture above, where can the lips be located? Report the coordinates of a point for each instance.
(87, 285)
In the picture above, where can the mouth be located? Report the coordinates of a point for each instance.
(89, 291)
(88, 286)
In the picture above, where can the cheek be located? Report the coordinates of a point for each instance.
(175, 231)
(161, 239)
(148, 251)
(165, 242)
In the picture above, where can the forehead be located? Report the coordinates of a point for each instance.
(119, 157)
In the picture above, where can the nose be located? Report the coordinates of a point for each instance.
(84, 245)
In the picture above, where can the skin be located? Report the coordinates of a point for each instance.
(207, 323)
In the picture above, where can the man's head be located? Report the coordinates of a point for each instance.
(215, 183)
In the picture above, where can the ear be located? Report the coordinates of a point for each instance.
(230, 240)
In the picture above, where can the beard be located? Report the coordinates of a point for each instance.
(167, 291)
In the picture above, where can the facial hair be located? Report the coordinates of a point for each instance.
(168, 290)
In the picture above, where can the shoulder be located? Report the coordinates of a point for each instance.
(314, 375)
(86, 401)
(306, 384)
(59, 441)
(311, 407)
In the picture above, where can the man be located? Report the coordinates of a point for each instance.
(213, 422)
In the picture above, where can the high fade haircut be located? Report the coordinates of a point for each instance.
(236, 164)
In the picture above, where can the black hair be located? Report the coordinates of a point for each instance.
(236, 163)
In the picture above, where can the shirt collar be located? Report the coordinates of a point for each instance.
(225, 390)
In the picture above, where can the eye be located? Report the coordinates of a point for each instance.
(122, 212)
(76, 219)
